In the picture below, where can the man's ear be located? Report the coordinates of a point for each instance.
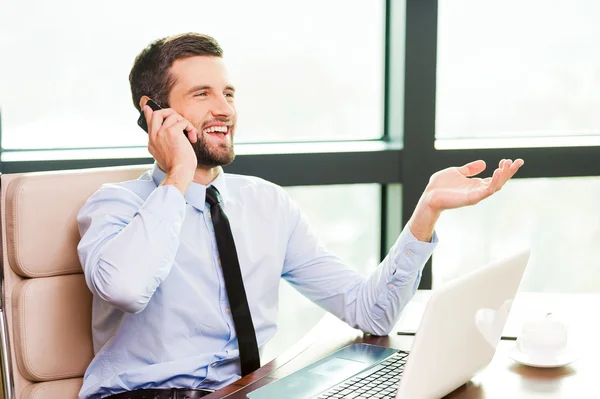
(143, 100)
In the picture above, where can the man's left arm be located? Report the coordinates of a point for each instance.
(370, 303)
(374, 303)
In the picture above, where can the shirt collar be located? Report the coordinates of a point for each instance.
(196, 193)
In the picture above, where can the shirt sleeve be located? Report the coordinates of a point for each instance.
(128, 245)
(370, 303)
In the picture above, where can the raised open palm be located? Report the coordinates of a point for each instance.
(456, 187)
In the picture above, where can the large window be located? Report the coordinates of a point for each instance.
(556, 217)
(508, 79)
(518, 69)
(303, 73)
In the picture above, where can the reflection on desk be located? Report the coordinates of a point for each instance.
(502, 379)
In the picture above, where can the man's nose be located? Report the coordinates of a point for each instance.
(221, 107)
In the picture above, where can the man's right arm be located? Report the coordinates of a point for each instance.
(128, 245)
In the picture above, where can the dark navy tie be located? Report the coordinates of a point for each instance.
(238, 302)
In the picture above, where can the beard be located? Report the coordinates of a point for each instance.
(210, 156)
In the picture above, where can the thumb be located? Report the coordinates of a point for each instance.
(472, 168)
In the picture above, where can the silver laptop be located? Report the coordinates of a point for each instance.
(458, 335)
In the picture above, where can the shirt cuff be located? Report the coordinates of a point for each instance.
(409, 255)
(167, 203)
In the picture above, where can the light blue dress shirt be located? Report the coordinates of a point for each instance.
(160, 316)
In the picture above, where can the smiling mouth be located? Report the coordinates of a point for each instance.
(219, 131)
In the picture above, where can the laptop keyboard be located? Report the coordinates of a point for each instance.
(380, 381)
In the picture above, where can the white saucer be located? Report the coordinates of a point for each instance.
(562, 358)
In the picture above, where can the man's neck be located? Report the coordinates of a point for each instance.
(206, 176)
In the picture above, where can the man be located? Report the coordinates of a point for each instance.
(184, 263)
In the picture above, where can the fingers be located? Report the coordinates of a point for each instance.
(192, 135)
(171, 120)
(157, 119)
(506, 169)
(191, 131)
(165, 120)
(182, 125)
(494, 182)
(516, 165)
(512, 166)
(478, 189)
(505, 174)
(472, 168)
(509, 168)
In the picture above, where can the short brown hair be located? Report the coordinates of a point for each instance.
(150, 74)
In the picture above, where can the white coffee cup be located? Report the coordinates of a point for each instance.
(542, 338)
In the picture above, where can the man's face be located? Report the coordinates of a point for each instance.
(204, 96)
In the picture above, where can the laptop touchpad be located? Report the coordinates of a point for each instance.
(338, 367)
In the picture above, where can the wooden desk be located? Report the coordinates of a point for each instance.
(502, 379)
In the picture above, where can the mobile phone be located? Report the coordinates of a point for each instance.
(142, 119)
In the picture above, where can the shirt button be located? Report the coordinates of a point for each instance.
(390, 286)
(209, 215)
(408, 253)
(227, 310)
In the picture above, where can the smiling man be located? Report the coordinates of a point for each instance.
(184, 263)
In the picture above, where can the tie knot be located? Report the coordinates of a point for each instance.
(212, 195)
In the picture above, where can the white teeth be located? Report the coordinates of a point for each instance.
(212, 129)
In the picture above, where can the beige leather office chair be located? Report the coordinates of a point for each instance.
(45, 318)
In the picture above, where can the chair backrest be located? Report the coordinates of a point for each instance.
(46, 305)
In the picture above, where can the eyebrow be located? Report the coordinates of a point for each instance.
(207, 87)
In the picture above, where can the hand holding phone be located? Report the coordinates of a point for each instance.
(142, 119)
(175, 156)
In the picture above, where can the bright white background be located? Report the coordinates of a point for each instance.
(303, 70)
(518, 68)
